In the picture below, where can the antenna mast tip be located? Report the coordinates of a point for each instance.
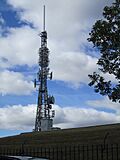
(44, 18)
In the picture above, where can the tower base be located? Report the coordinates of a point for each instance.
(46, 124)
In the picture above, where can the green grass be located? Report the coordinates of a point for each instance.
(87, 135)
(68, 140)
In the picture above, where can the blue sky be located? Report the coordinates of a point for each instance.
(72, 58)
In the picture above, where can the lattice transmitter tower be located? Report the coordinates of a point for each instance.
(45, 114)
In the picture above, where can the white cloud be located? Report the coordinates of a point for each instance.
(17, 117)
(14, 83)
(79, 117)
(62, 12)
(105, 103)
(68, 25)
(23, 117)
(20, 46)
(67, 21)
(3, 63)
(72, 67)
(109, 77)
(1, 20)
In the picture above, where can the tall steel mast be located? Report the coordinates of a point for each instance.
(44, 115)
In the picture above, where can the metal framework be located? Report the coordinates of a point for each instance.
(45, 114)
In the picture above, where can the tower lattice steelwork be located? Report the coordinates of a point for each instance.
(45, 114)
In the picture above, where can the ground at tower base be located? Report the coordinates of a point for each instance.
(87, 143)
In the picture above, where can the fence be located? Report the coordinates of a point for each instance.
(65, 152)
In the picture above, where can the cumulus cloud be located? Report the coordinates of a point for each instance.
(14, 83)
(1, 20)
(23, 117)
(4, 63)
(67, 21)
(105, 103)
(68, 25)
(64, 10)
(20, 46)
(81, 117)
(17, 117)
(72, 67)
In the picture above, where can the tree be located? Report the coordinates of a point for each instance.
(105, 36)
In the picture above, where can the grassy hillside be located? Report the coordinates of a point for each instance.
(86, 135)
(97, 142)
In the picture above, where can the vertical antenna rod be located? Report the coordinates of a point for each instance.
(44, 18)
